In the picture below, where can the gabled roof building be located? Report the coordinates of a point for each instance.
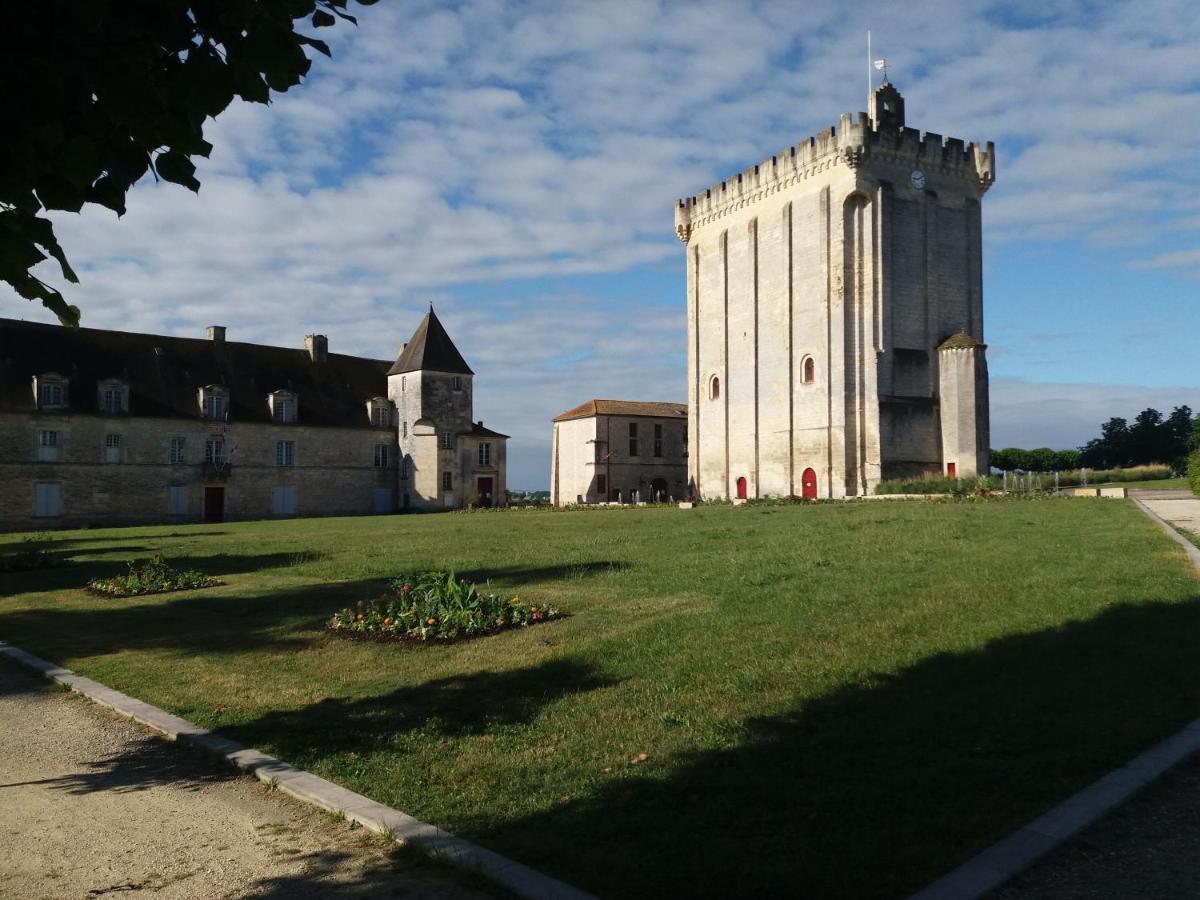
(112, 427)
(619, 451)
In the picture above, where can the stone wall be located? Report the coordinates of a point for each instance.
(831, 251)
(334, 470)
(586, 449)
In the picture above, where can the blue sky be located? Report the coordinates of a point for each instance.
(516, 164)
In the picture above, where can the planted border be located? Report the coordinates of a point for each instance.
(152, 576)
(436, 606)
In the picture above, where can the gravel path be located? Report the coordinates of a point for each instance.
(92, 805)
(1150, 847)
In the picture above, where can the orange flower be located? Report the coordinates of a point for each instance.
(431, 621)
(387, 621)
(358, 617)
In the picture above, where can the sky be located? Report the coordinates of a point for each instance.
(516, 164)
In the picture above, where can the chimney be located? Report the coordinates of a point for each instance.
(317, 346)
(216, 333)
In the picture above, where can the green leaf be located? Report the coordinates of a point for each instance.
(174, 166)
(318, 45)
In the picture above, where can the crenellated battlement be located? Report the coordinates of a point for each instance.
(852, 141)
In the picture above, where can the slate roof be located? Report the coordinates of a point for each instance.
(164, 374)
(650, 409)
(477, 430)
(961, 341)
(430, 348)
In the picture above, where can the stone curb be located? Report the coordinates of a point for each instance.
(1191, 549)
(1021, 849)
(308, 788)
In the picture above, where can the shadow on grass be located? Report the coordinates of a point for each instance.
(69, 573)
(876, 789)
(451, 707)
(202, 621)
(519, 576)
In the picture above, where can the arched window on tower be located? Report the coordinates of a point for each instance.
(808, 370)
(714, 388)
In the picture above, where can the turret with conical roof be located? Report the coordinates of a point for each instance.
(446, 457)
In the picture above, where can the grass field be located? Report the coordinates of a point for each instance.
(833, 699)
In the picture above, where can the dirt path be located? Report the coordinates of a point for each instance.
(91, 806)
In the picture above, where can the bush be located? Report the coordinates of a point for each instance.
(153, 576)
(1154, 472)
(940, 484)
(429, 606)
(1193, 472)
(29, 557)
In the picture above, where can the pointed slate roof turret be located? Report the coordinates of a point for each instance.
(430, 348)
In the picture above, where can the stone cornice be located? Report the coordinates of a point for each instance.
(852, 144)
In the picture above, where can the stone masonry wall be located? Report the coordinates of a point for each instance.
(334, 471)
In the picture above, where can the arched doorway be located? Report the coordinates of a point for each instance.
(658, 490)
(741, 487)
(808, 485)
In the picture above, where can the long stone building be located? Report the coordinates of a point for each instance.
(835, 313)
(108, 427)
(606, 451)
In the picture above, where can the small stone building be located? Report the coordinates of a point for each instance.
(447, 459)
(109, 427)
(607, 451)
(835, 312)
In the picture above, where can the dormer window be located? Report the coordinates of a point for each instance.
(379, 409)
(283, 407)
(457, 382)
(214, 402)
(113, 396)
(50, 390)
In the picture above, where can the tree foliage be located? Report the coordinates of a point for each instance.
(94, 94)
(1150, 439)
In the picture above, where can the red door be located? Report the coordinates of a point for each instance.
(808, 485)
(952, 469)
(485, 491)
(741, 488)
(214, 504)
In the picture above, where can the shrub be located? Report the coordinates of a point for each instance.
(153, 576)
(429, 606)
(940, 484)
(1153, 472)
(29, 557)
(1193, 472)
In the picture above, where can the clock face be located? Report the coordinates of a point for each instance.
(918, 179)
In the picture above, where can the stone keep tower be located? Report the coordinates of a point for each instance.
(446, 459)
(835, 313)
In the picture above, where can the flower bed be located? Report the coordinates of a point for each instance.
(153, 576)
(31, 557)
(432, 606)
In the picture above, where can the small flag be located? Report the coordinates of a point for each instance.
(880, 64)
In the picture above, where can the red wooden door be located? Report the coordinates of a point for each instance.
(214, 504)
(741, 488)
(952, 469)
(808, 485)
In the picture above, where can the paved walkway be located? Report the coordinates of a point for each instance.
(1180, 508)
(1149, 847)
(92, 805)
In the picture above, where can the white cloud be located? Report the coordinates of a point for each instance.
(460, 146)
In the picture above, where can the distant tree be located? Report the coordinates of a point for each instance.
(1178, 428)
(94, 93)
(1065, 460)
(1111, 449)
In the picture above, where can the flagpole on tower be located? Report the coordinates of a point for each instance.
(868, 67)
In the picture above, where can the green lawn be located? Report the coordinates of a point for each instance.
(834, 699)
